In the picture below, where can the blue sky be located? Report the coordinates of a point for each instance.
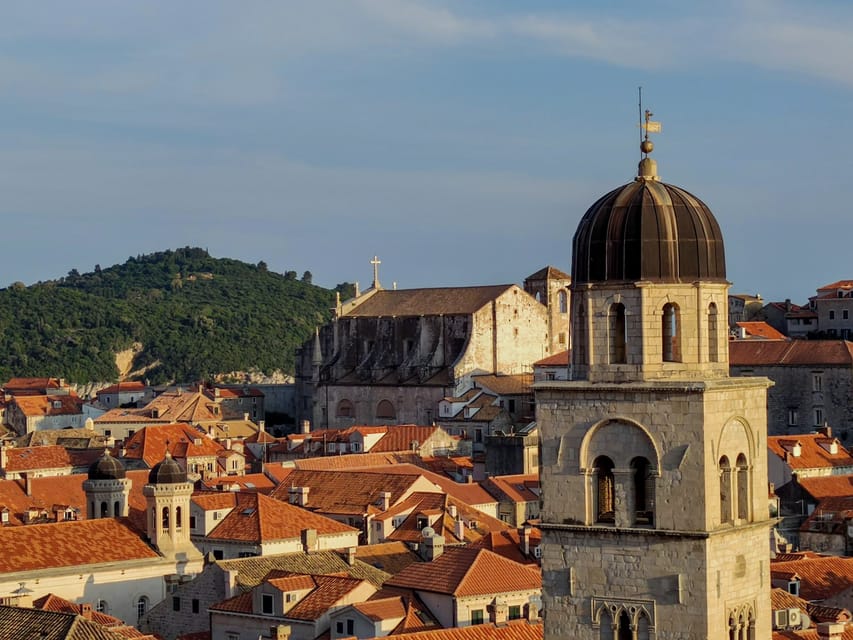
(461, 141)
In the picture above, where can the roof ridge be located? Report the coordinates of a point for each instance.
(461, 582)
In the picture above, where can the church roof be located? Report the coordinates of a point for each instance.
(548, 273)
(429, 302)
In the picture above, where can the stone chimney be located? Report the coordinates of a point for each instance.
(229, 576)
(830, 631)
(825, 430)
(262, 426)
(385, 500)
(431, 545)
(305, 426)
(459, 529)
(86, 610)
(3, 458)
(351, 555)
(451, 509)
(245, 416)
(531, 611)
(309, 540)
(498, 613)
(525, 539)
(280, 632)
(298, 496)
(28, 484)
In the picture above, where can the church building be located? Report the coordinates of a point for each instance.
(390, 356)
(655, 519)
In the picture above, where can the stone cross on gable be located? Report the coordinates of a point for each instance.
(375, 262)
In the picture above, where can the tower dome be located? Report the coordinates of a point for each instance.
(648, 230)
(106, 468)
(167, 472)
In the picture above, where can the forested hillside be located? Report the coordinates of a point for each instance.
(193, 315)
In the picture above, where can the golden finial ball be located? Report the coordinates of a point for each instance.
(646, 146)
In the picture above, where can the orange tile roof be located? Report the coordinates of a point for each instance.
(330, 590)
(344, 492)
(508, 544)
(32, 406)
(241, 603)
(761, 330)
(249, 482)
(32, 458)
(401, 437)
(505, 385)
(557, 360)
(214, 500)
(66, 544)
(513, 630)
(470, 493)
(17, 385)
(820, 578)
(277, 472)
(840, 284)
(828, 486)
(439, 504)
(130, 416)
(355, 460)
(382, 609)
(468, 572)
(51, 602)
(745, 353)
(123, 387)
(813, 451)
(149, 443)
(258, 518)
(185, 406)
(391, 557)
(515, 488)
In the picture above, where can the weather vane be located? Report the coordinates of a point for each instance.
(647, 126)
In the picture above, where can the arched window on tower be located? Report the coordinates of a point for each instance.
(742, 488)
(178, 522)
(643, 626)
(625, 630)
(563, 301)
(617, 334)
(579, 338)
(385, 410)
(713, 334)
(345, 409)
(671, 333)
(105, 510)
(643, 488)
(606, 625)
(165, 521)
(116, 509)
(605, 503)
(725, 490)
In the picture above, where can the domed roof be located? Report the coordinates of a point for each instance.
(167, 472)
(106, 468)
(648, 230)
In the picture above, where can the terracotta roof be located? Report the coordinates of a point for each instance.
(429, 302)
(32, 458)
(840, 284)
(51, 602)
(828, 486)
(820, 578)
(506, 385)
(832, 513)
(141, 417)
(438, 504)
(65, 544)
(761, 330)
(123, 387)
(241, 603)
(513, 630)
(252, 571)
(236, 392)
(17, 385)
(329, 591)
(345, 492)
(400, 438)
(277, 472)
(782, 599)
(32, 406)
(391, 557)
(356, 460)
(508, 544)
(516, 488)
(249, 482)
(70, 438)
(468, 572)
(382, 609)
(149, 443)
(814, 451)
(548, 272)
(470, 493)
(557, 360)
(20, 623)
(745, 353)
(258, 518)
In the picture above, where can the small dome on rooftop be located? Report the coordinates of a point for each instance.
(106, 468)
(167, 472)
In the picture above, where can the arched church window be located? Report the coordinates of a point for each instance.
(105, 510)
(605, 491)
(671, 333)
(538, 297)
(643, 626)
(579, 338)
(742, 488)
(607, 626)
(345, 409)
(165, 518)
(141, 607)
(116, 509)
(625, 630)
(713, 334)
(178, 522)
(617, 333)
(725, 490)
(385, 410)
(643, 491)
(563, 301)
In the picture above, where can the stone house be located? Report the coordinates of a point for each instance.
(518, 497)
(812, 382)
(833, 305)
(806, 456)
(29, 413)
(124, 394)
(391, 356)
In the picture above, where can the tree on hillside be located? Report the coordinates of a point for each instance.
(307, 277)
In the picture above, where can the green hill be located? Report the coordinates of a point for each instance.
(190, 316)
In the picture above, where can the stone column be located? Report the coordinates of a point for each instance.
(624, 507)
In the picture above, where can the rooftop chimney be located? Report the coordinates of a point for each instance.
(525, 539)
(309, 540)
(385, 500)
(351, 555)
(830, 631)
(498, 613)
(305, 426)
(298, 496)
(280, 632)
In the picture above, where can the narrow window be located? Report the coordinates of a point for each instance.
(626, 631)
(514, 612)
(176, 603)
(742, 488)
(725, 490)
(671, 334)
(643, 489)
(817, 382)
(165, 522)
(266, 603)
(579, 339)
(105, 512)
(141, 607)
(818, 416)
(617, 334)
(605, 490)
(563, 301)
(350, 626)
(792, 417)
(832, 315)
(116, 509)
(713, 334)
(196, 606)
(178, 517)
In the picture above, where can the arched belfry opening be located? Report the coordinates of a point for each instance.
(671, 333)
(713, 334)
(617, 337)
(605, 495)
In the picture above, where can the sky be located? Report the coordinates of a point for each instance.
(460, 141)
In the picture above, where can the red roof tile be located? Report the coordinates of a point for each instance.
(761, 330)
(33, 406)
(745, 353)
(814, 451)
(123, 387)
(31, 458)
(513, 630)
(149, 443)
(505, 385)
(828, 486)
(382, 609)
(820, 578)
(330, 590)
(557, 360)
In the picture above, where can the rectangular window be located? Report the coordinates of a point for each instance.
(217, 554)
(818, 416)
(192, 522)
(832, 315)
(266, 603)
(195, 605)
(350, 626)
(515, 612)
(339, 626)
(176, 603)
(550, 375)
(845, 315)
(477, 616)
(792, 417)
(817, 382)
(230, 635)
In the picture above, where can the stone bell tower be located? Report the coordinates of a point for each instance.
(655, 519)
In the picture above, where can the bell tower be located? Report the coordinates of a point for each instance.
(654, 480)
(167, 499)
